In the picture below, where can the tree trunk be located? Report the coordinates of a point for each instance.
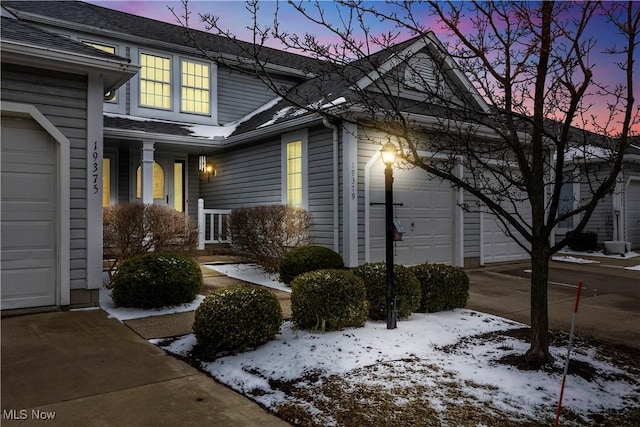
(538, 353)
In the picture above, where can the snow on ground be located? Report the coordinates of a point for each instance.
(631, 254)
(250, 273)
(573, 260)
(426, 352)
(423, 350)
(124, 313)
(635, 267)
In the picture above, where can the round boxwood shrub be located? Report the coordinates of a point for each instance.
(236, 319)
(406, 285)
(328, 300)
(156, 280)
(444, 287)
(303, 259)
(582, 241)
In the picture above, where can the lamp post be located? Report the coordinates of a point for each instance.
(388, 153)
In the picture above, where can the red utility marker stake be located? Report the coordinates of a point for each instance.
(566, 363)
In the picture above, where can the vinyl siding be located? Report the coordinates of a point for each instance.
(246, 176)
(62, 98)
(193, 187)
(320, 164)
(366, 150)
(240, 94)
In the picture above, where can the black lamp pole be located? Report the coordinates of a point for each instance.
(389, 157)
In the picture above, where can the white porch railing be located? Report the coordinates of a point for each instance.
(212, 225)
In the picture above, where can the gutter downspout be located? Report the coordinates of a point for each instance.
(336, 187)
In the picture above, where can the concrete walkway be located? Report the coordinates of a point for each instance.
(82, 368)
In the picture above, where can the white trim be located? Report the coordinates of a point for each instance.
(94, 181)
(303, 136)
(63, 235)
(174, 112)
(350, 171)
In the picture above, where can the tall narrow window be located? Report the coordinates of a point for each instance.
(108, 49)
(195, 87)
(106, 181)
(178, 185)
(294, 173)
(155, 81)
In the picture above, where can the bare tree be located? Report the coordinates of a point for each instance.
(509, 97)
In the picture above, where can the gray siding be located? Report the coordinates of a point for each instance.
(240, 94)
(193, 187)
(321, 185)
(471, 230)
(246, 176)
(366, 150)
(62, 98)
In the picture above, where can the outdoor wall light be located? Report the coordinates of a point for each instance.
(207, 169)
(388, 153)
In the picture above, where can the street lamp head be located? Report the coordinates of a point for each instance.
(389, 153)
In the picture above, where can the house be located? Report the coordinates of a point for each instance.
(151, 138)
(52, 96)
(617, 216)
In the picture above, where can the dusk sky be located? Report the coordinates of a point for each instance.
(234, 17)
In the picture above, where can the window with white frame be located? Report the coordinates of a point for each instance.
(294, 171)
(155, 81)
(195, 87)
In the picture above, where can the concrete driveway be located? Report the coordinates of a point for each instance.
(609, 306)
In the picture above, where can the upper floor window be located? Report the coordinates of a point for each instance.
(108, 49)
(195, 87)
(155, 81)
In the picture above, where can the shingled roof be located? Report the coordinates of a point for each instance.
(18, 31)
(113, 23)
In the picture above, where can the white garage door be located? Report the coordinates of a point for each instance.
(633, 213)
(28, 247)
(426, 210)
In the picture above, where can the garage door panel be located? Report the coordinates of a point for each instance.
(27, 287)
(28, 222)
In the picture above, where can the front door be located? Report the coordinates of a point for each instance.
(168, 182)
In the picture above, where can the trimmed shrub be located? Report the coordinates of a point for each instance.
(156, 280)
(236, 319)
(444, 287)
(582, 241)
(263, 234)
(132, 229)
(328, 300)
(308, 258)
(407, 289)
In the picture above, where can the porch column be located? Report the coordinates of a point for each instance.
(146, 172)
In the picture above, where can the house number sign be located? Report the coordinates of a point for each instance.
(94, 167)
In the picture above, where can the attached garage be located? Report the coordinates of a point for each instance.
(496, 244)
(632, 212)
(426, 209)
(34, 256)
